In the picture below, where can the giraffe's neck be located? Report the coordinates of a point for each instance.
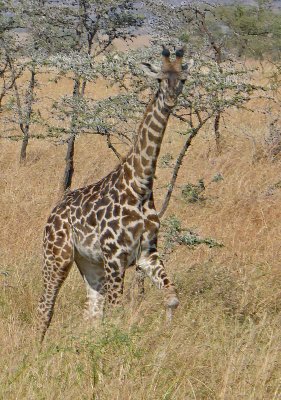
(141, 162)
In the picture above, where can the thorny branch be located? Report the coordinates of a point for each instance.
(193, 132)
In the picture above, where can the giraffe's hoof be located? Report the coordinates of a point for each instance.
(169, 314)
(172, 303)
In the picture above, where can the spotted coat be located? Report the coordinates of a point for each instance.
(112, 224)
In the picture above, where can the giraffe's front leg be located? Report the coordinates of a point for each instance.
(151, 264)
(149, 261)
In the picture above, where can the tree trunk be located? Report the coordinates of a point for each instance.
(69, 158)
(25, 125)
(69, 164)
(24, 145)
(217, 132)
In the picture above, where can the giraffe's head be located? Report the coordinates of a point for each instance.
(171, 76)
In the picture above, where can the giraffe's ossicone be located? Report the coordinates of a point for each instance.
(112, 224)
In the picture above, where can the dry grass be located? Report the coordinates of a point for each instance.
(224, 342)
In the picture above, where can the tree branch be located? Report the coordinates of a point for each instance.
(192, 134)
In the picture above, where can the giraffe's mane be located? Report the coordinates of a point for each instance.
(148, 109)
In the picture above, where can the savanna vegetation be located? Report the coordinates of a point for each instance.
(72, 95)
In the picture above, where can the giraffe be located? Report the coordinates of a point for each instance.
(110, 225)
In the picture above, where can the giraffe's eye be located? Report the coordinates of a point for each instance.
(159, 80)
(183, 80)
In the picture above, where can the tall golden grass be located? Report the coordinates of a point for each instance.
(224, 342)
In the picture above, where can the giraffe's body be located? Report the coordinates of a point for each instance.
(108, 226)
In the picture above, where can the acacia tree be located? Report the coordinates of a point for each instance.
(246, 29)
(89, 27)
(74, 40)
(68, 37)
(8, 76)
(251, 29)
(216, 47)
(6, 26)
(207, 92)
(216, 83)
(24, 46)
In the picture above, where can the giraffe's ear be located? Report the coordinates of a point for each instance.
(150, 70)
(188, 66)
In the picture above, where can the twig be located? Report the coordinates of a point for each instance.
(111, 147)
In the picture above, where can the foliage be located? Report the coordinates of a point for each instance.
(192, 193)
(245, 29)
(252, 30)
(112, 115)
(165, 160)
(175, 234)
(217, 177)
(75, 41)
(64, 39)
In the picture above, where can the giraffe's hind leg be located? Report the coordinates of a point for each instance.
(53, 280)
(94, 277)
(58, 258)
(140, 275)
(139, 282)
